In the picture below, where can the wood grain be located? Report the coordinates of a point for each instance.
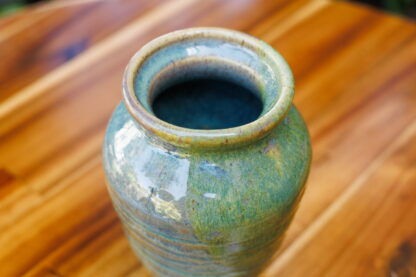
(355, 71)
(39, 42)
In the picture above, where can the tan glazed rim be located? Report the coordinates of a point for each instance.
(195, 138)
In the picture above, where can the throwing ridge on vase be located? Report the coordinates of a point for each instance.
(206, 159)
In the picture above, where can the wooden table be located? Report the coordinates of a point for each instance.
(61, 65)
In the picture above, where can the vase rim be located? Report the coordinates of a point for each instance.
(216, 138)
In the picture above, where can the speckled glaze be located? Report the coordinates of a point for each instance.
(206, 202)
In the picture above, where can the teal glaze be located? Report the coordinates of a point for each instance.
(199, 202)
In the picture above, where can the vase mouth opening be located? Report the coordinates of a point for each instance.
(207, 88)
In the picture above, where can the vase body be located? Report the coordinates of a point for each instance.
(209, 210)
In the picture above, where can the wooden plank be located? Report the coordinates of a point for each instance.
(47, 36)
(350, 96)
(43, 229)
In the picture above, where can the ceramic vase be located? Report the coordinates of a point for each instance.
(206, 158)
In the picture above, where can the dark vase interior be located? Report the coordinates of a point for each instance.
(207, 104)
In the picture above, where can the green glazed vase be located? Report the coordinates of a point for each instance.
(206, 158)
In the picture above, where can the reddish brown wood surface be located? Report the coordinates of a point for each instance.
(60, 76)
